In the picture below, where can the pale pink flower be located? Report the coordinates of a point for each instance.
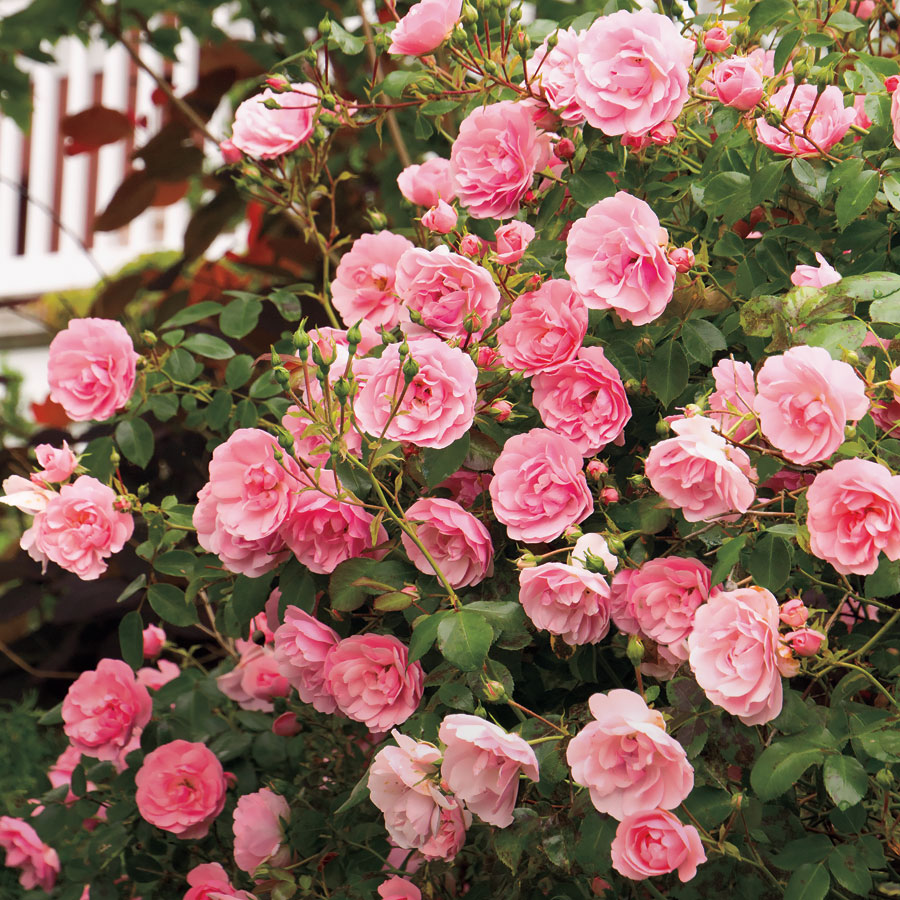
(397, 888)
(545, 330)
(24, 494)
(854, 514)
(852, 612)
(584, 400)
(553, 72)
(57, 463)
(256, 679)
(441, 218)
(154, 677)
(682, 258)
(154, 638)
(495, 157)
(512, 241)
(457, 541)
(230, 153)
(91, 368)
(259, 822)
(731, 403)
(312, 440)
(808, 135)
(734, 654)
(626, 759)
(568, 601)
(862, 9)
(481, 765)
(209, 881)
(805, 641)
(631, 72)
(426, 183)
(716, 40)
(592, 549)
(616, 259)
(26, 851)
(862, 119)
(653, 843)
(269, 133)
(794, 613)
(302, 643)
(466, 487)
(363, 286)
(815, 276)
(738, 82)
(539, 488)
(181, 788)
(895, 117)
(804, 401)
(425, 27)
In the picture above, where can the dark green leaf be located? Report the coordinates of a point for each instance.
(768, 12)
(170, 605)
(208, 345)
(348, 43)
(131, 638)
(765, 183)
(727, 556)
(781, 764)
(182, 366)
(238, 371)
(240, 316)
(356, 579)
(218, 411)
(845, 780)
(359, 793)
(729, 194)
(885, 580)
(190, 314)
(464, 639)
(135, 440)
(809, 882)
(770, 562)
(439, 464)
(587, 188)
(785, 48)
(849, 870)
(702, 339)
(668, 376)
(595, 834)
(249, 596)
(132, 588)
(176, 562)
(424, 635)
(855, 197)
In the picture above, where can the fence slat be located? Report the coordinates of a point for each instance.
(73, 211)
(42, 164)
(11, 145)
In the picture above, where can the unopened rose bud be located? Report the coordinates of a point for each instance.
(473, 323)
(737, 800)
(486, 358)
(515, 14)
(662, 428)
(741, 35)
(644, 346)
(469, 14)
(301, 341)
(615, 544)
(682, 258)
(885, 777)
(663, 134)
(143, 492)
(286, 725)
(229, 152)
(354, 336)
(114, 457)
(341, 390)
(597, 469)
(494, 690)
(441, 218)
(552, 40)
(410, 370)
(773, 116)
(123, 503)
(572, 533)
(473, 246)
(149, 338)
(526, 561)
(805, 641)
(377, 219)
(325, 27)
(271, 103)
(286, 440)
(850, 432)
(631, 385)
(501, 410)
(609, 495)
(231, 780)
(794, 613)
(565, 148)
(403, 350)
(635, 141)
(154, 639)
(282, 376)
(635, 650)
(716, 40)
(278, 83)
(891, 83)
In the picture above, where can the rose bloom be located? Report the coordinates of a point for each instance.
(439, 404)
(583, 400)
(716, 40)
(682, 258)
(457, 541)
(26, 851)
(181, 788)
(512, 242)
(243, 557)
(466, 487)
(397, 888)
(57, 463)
(269, 133)
(826, 127)
(731, 403)
(256, 680)
(153, 678)
(302, 643)
(854, 514)
(804, 400)
(699, 473)
(105, 710)
(568, 601)
(494, 159)
(481, 766)
(895, 117)
(363, 286)
(209, 881)
(372, 680)
(631, 72)
(312, 445)
(554, 72)
(539, 488)
(794, 613)
(734, 653)
(79, 529)
(805, 641)
(258, 831)
(626, 759)
(91, 368)
(426, 183)
(738, 82)
(616, 259)
(425, 27)
(446, 288)
(441, 218)
(154, 638)
(653, 843)
(815, 276)
(26, 495)
(545, 330)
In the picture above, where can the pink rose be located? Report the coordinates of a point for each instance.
(583, 400)
(853, 612)
(58, 463)
(716, 40)
(269, 133)
(815, 276)
(372, 680)
(805, 641)
(425, 27)
(441, 218)
(79, 529)
(256, 680)
(105, 710)
(734, 653)
(473, 246)
(481, 765)
(457, 541)
(26, 851)
(591, 552)
(427, 183)
(794, 613)
(437, 408)
(854, 514)
(862, 119)
(230, 153)
(653, 843)
(626, 759)
(154, 639)
(209, 881)
(259, 832)
(738, 82)
(363, 286)
(731, 404)
(312, 440)
(862, 9)
(539, 489)
(181, 788)
(494, 159)
(682, 258)
(553, 72)
(699, 473)
(397, 888)
(895, 118)
(91, 369)
(446, 289)
(616, 259)
(301, 645)
(546, 328)
(568, 601)
(466, 487)
(153, 678)
(822, 130)
(631, 72)
(512, 241)
(804, 400)
(26, 495)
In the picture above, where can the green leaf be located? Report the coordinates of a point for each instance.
(709, 805)
(456, 696)
(182, 366)
(424, 634)
(464, 639)
(52, 716)
(702, 339)
(219, 409)
(588, 188)
(438, 107)
(348, 43)
(890, 184)
(249, 596)
(131, 638)
(856, 197)
(135, 440)
(770, 562)
(768, 12)
(240, 316)
(163, 406)
(359, 793)
(355, 579)
(809, 882)
(785, 48)
(208, 345)
(176, 562)
(885, 580)
(813, 848)
(845, 780)
(238, 371)
(394, 83)
(285, 301)
(849, 870)
(782, 763)
(765, 183)
(595, 834)
(132, 587)
(729, 194)
(439, 464)
(190, 314)
(170, 604)
(727, 556)
(668, 376)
